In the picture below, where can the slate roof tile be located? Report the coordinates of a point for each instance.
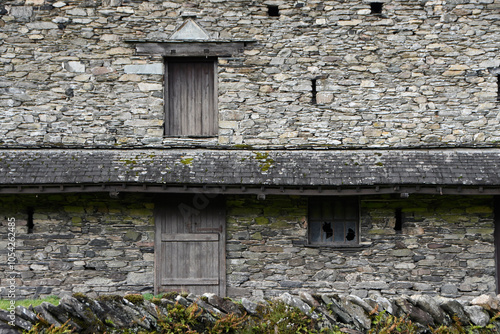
(233, 167)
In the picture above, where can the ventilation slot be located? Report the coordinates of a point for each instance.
(30, 220)
(498, 87)
(273, 10)
(398, 227)
(314, 91)
(376, 8)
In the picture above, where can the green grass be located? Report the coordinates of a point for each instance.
(5, 303)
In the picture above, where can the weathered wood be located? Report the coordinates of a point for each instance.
(183, 49)
(189, 237)
(190, 90)
(190, 281)
(188, 260)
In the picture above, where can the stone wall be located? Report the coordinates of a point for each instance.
(86, 243)
(445, 247)
(94, 244)
(424, 73)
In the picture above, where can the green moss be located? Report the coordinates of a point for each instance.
(479, 209)
(261, 220)
(242, 146)
(135, 299)
(170, 295)
(257, 236)
(245, 211)
(130, 162)
(379, 164)
(106, 298)
(187, 161)
(279, 223)
(265, 163)
(74, 209)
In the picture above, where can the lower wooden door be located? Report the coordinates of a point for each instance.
(190, 244)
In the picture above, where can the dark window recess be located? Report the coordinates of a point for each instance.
(398, 227)
(30, 223)
(498, 87)
(333, 221)
(273, 10)
(376, 7)
(314, 91)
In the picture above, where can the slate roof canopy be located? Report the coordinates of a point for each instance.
(277, 168)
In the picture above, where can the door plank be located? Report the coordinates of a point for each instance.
(190, 260)
(184, 237)
(190, 281)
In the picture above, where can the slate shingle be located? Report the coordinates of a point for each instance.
(233, 167)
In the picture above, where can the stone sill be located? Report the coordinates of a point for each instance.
(344, 248)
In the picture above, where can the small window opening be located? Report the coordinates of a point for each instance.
(398, 227)
(273, 10)
(30, 220)
(314, 91)
(350, 234)
(376, 7)
(327, 228)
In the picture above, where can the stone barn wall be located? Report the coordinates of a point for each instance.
(423, 73)
(445, 247)
(85, 243)
(94, 244)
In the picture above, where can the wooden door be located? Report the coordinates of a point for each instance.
(191, 93)
(190, 245)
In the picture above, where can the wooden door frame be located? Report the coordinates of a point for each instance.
(496, 236)
(159, 219)
(166, 93)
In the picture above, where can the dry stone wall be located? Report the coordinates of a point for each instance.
(445, 247)
(423, 73)
(207, 313)
(94, 244)
(78, 243)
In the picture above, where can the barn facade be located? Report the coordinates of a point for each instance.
(248, 148)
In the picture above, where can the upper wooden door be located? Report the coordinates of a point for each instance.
(190, 245)
(191, 97)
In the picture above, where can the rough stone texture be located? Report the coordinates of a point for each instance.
(79, 243)
(421, 74)
(443, 239)
(111, 313)
(253, 168)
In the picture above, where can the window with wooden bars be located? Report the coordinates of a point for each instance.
(191, 97)
(333, 221)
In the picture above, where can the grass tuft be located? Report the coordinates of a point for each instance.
(5, 303)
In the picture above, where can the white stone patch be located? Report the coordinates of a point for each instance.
(60, 20)
(21, 11)
(190, 30)
(42, 25)
(77, 12)
(146, 87)
(144, 69)
(74, 66)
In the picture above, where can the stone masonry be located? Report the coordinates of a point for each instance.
(97, 245)
(409, 96)
(420, 74)
(445, 247)
(79, 243)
